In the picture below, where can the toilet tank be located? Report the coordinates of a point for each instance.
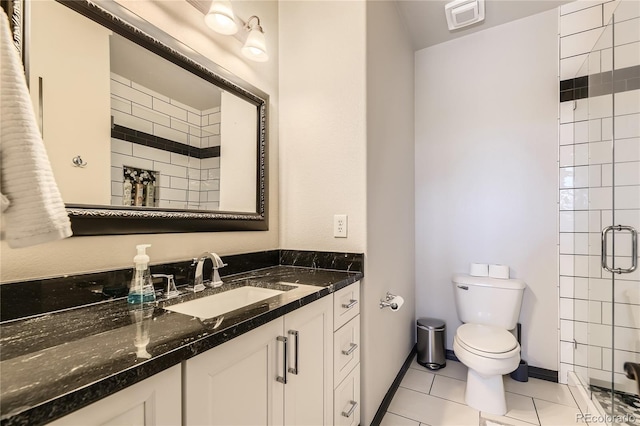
(489, 301)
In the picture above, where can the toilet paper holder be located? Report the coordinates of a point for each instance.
(386, 302)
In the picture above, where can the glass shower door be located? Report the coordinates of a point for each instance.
(613, 200)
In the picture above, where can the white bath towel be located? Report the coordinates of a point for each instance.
(31, 202)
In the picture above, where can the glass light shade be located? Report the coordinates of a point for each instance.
(255, 48)
(221, 18)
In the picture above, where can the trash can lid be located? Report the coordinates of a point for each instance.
(431, 323)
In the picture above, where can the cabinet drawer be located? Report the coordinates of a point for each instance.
(346, 304)
(346, 349)
(347, 400)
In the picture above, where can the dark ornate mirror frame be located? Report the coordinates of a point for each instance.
(112, 220)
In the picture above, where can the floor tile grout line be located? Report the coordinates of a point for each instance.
(405, 417)
(546, 400)
(436, 396)
(536, 408)
(433, 380)
(524, 421)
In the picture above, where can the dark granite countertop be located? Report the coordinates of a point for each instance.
(55, 363)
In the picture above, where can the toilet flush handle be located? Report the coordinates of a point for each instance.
(463, 287)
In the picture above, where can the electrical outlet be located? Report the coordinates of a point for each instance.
(340, 226)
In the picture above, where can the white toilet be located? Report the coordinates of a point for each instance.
(488, 307)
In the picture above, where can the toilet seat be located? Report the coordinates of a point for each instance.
(487, 341)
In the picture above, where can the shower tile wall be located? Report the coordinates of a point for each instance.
(585, 182)
(184, 182)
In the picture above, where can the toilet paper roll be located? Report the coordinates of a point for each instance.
(499, 271)
(396, 303)
(479, 270)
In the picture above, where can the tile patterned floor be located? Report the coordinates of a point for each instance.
(625, 404)
(436, 398)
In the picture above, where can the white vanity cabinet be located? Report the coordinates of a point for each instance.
(300, 369)
(154, 401)
(242, 382)
(346, 355)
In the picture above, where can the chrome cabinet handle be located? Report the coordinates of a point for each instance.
(634, 249)
(41, 105)
(350, 305)
(351, 410)
(295, 334)
(283, 378)
(350, 350)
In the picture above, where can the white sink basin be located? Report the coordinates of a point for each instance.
(221, 303)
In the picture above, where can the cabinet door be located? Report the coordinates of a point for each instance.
(235, 383)
(154, 401)
(347, 403)
(308, 392)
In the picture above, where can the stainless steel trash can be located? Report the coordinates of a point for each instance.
(431, 340)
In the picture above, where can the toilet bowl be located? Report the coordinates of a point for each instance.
(488, 307)
(488, 352)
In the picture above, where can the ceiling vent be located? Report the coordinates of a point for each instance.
(461, 13)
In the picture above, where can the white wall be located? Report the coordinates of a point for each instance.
(83, 254)
(323, 131)
(388, 337)
(346, 87)
(486, 171)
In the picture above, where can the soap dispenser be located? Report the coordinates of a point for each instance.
(141, 289)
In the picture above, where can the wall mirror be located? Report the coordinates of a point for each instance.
(144, 134)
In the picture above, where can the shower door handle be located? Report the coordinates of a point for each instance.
(634, 249)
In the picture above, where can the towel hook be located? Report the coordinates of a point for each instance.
(78, 162)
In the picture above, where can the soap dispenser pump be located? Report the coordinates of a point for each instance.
(141, 289)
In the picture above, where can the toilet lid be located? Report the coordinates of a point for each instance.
(486, 338)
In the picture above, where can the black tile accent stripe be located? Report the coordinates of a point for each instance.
(598, 84)
(543, 374)
(534, 372)
(142, 138)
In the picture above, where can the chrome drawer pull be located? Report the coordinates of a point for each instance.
(283, 379)
(350, 305)
(41, 106)
(295, 334)
(350, 350)
(351, 410)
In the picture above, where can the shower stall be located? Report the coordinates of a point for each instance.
(606, 199)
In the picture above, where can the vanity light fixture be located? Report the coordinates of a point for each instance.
(220, 17)
(255, 47)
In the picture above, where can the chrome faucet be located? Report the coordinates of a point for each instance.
(198, 281)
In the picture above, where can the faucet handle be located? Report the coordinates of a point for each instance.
(171, 290)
